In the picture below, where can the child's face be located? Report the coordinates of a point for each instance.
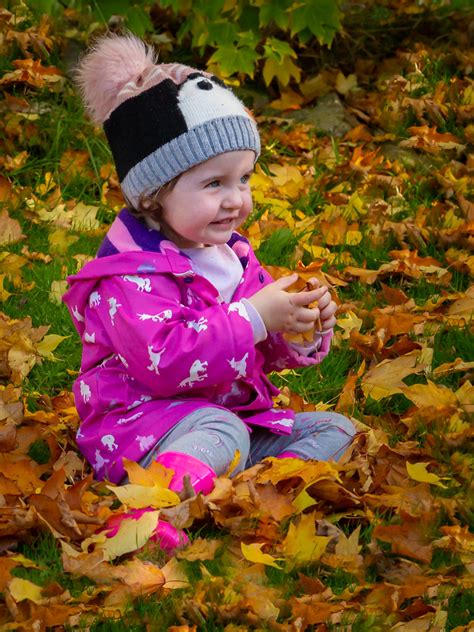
(209, 201)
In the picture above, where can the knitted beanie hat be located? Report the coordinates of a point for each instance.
(160, 119)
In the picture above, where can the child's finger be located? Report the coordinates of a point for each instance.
(307, 297)
(308, 315)
(324, 301)
(283, 282)
(327, 310)
(328, 324)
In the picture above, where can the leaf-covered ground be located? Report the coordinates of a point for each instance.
(366, 181)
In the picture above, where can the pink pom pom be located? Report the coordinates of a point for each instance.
(112, 63)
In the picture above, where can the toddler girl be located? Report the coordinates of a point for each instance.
(179, 322)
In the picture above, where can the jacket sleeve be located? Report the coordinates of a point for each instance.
(169, 347)
(279, 354)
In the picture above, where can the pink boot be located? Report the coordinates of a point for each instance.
(288, 455)
(201, 477)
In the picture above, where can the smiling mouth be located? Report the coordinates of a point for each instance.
(223, 222)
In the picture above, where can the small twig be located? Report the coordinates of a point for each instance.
(188, 489)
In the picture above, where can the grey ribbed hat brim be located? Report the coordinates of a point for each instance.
(217, 136)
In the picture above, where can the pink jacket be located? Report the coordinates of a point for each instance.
(159, 343)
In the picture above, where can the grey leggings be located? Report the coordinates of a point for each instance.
(213, 435)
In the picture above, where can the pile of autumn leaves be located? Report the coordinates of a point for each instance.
(380, 516)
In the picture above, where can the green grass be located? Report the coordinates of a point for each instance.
(44, 550)
(460, 609)
(324, 382)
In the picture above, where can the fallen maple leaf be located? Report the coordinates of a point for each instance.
(11, 229)
(131, 536)
(430, 394)
(386, 378)
(200, 549)
(301, 543)
(253, 553)
(21, 589)
(409, 538)
(418, 472)
(140, 496)
(49, 343)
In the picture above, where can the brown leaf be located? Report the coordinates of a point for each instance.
(200, 549)
(11, 229)
(410, 538)
(7, 435)
(311, 610)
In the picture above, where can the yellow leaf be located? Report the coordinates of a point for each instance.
(355, 207)
(48, 184)
(385, 378)
(4, 294)
(448, 367)
(353, 237)
(175, 575)
(365, 276)
(131, 536)
(309, 471)
(60, 240)
(468, 96)
(302, 543)
(49, 343)
(465, 396)
(84, 217)
(139, 496)
(200, 549)
(21, 589)
(260, 181)
(348, 545)
(17, 161)
(254, 235)
(253, 553)
(24, 561)
(348, 322)
(21, 358)
(154, 474)
(288, 178)
(283, 70)
(10, 266)
(289, 100)
(418, 472)
(303, 501)
(427, 395)
(58, 288)
(235, 461)
(317, 252)
(345, 84)
(58, 215)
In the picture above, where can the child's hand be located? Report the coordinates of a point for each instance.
(327, 307)
(286, 312)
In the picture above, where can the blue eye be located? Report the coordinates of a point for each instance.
(245, 179)
(214, 184)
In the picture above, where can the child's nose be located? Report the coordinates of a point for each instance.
(232, 198)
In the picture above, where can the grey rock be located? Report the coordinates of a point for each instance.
(408, 157)
(328, 116)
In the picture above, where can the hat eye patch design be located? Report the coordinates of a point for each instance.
(201, 99)
(204, 85)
